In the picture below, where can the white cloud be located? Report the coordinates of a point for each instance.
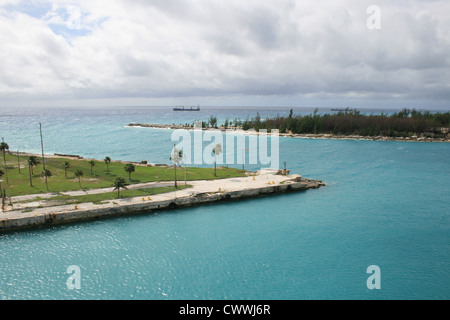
(102, 49)
(68, 16)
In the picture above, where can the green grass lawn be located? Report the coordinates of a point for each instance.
(19, 182)
(99, 198)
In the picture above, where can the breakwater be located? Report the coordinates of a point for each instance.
(202, 192)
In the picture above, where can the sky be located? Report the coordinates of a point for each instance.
(290, 53)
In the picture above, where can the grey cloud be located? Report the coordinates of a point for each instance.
(253, 48)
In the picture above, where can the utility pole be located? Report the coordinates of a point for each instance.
(2, 196)
(175, 165)
(185, 179)
(42, 146)
(18, 160)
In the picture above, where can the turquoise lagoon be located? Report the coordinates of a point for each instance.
(385, 204)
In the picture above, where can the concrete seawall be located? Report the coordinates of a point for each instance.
(202, 192)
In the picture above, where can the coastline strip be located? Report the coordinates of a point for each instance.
(239, 130)
(265, 182)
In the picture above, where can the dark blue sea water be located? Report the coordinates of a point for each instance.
(385, 204)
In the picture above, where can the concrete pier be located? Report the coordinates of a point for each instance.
(265, 182)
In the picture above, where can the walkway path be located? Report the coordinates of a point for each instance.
(202, 192)
(44, 201)
(90, 191)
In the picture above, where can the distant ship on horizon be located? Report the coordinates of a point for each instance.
(186, 109)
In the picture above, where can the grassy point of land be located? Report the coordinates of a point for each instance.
(63, 176)
(100, 198)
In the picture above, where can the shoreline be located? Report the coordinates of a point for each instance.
(329, 136)
(264, 183)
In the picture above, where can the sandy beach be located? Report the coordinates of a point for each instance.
(238, 130)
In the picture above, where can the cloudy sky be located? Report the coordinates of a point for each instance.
(255, 52)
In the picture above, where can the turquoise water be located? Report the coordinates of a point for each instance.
(385, 204)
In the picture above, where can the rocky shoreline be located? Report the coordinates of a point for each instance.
(414, 138)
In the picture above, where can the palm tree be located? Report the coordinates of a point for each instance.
(3, 147)
(107, 161)
(176, 157)
(46, 174)
(92, 164)
(33, 161)
(119, 183)
(29, 170)
(217, 150)
(130, 168)
(66, 166)
(79, 173)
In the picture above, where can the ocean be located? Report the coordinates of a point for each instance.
(385, 203)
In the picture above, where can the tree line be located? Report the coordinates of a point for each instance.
(404, 123)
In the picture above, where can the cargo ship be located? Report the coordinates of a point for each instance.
(186, 109)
